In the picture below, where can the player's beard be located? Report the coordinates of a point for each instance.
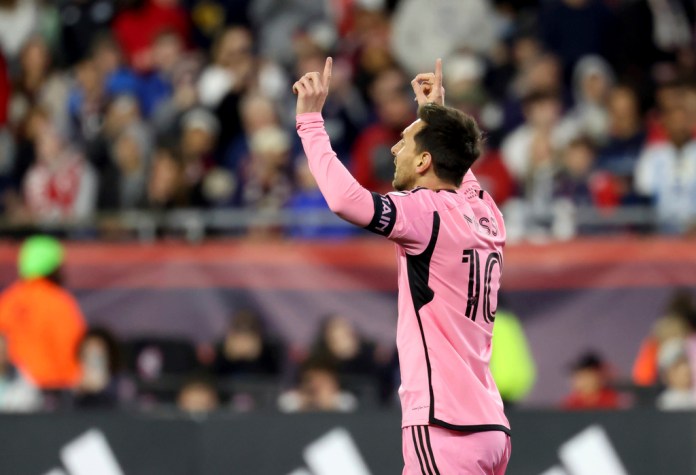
(400, 183)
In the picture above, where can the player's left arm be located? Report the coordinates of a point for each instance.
(428, 88)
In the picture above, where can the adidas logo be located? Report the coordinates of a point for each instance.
(334, 453)
(588, 453)
(88, 454)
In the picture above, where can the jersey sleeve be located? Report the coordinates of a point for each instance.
(402, 218)
(399, 216)
(344, 195)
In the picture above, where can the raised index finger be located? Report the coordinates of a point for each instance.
(326, 77)
(438, 72)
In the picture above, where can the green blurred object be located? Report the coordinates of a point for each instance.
(39, 256)
(512, 364)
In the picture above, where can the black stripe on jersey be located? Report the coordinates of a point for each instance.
(385, 215)
(415, 446)
(422, 447)
(418, 269)
(430, 449)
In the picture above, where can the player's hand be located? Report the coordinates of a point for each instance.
(428, 86)
(312, 89)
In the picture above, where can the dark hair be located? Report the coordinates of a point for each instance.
(318, 363)
(588, 360)
(452, 138)
(582, 141)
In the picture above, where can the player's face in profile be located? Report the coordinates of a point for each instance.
(405, 153)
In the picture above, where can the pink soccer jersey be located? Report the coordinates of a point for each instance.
(449, 250)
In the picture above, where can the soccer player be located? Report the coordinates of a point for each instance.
(449, 237)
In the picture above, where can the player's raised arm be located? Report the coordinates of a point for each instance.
(342, 192)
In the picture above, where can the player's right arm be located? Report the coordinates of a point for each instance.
(381, 214)
(344, 195)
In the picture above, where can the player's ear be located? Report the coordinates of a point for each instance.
(424, 162)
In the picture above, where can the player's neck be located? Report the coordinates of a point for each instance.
(432, 182)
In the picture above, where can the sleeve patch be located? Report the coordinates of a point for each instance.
(385, 215)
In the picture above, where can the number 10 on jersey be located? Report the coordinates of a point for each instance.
(471, 257)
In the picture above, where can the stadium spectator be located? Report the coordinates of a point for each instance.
(5, 90)
(590, 385)
(24, 158)
(210, 17)
(17, 393)
(61, 186)
(635, 43)
(87, 101)
(572, 29)
(256, 112)
(543, 128)
(166, 184)
(626, 136)
(231, 64)
(38, 83)
(676, 323)
(279, 21)
(464, 84)
(266, 174)
(246, 349)
(157, 86)
(18, 20)
(450, 26)
(366, 45)
(81, 23)
(198, 396)
(42, 322)
(372, 162)
(121, 155)
(675, 371)
(181, 77)
(199, 130)
(573, 178)
(101, 385)
(339, 344)
(137, 28)
(71, 60)
(319, 390)
(228, 79)
(667, 173)
(119, 78)
(131, 153)
(593, 79)
(537, 73)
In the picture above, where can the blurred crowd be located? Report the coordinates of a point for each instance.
(52, 360)
(116, 105)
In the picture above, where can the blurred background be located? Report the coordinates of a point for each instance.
(170, 271)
